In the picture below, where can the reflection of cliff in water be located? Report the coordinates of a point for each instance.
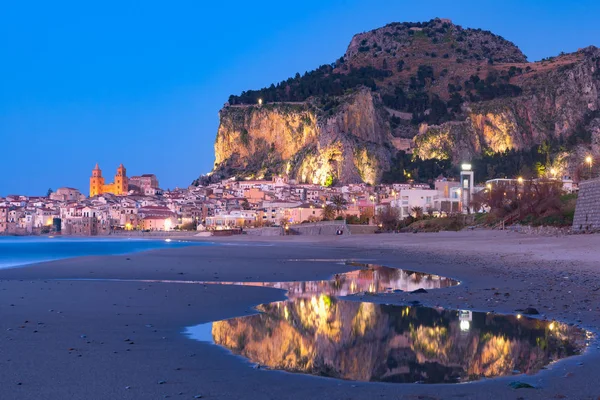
(372, 278)
(369, 342)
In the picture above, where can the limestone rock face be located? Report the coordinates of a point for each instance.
(349, 144)
(553, 104)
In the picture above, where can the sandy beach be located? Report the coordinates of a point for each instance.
(65, 336)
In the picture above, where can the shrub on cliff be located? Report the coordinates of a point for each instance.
(320, 82)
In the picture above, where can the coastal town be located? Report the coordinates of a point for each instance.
(342, 200)
(137, 203)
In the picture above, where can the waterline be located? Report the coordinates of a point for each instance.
(17, 252)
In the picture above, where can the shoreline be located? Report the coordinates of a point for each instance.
(20, 263)
(497, 262)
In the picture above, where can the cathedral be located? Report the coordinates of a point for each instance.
(119, 187)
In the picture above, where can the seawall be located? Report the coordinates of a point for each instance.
(587, 210)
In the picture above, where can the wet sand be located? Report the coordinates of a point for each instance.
(68, 339)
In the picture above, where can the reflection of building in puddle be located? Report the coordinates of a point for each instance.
(369, 342)
(465, 317)
(374, 279)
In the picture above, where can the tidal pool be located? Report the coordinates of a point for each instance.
(317, 333)
(370, 279)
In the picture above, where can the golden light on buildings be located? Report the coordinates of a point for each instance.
(128, 226)
(551, 326)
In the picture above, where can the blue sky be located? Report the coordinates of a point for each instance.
(141, 82)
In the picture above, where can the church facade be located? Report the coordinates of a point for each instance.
(119, 187)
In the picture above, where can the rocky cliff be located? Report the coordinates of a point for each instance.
(558, 99)
(349, 144)
(433, 89)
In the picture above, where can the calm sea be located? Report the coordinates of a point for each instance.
(16, 251)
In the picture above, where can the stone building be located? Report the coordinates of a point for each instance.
(143, 183)
(67, 194)
(3, 219)
(85, 226)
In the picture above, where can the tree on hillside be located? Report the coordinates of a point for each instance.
(328, 212)
(339, 203)
(49, 192)
(245, 205)
(388, 218)
(417, 211)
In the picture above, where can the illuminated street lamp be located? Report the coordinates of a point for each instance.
(260, 102)
(588, 160)
(553, 172)
(520, 180)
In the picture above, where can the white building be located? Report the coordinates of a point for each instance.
(235, 218)
(406, 199)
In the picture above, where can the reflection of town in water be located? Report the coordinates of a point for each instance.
(316, 333)
(371, 278)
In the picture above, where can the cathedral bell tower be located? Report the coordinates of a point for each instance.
(96, 182)
(121, 181)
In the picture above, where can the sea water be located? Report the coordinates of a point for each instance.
(19, 251)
